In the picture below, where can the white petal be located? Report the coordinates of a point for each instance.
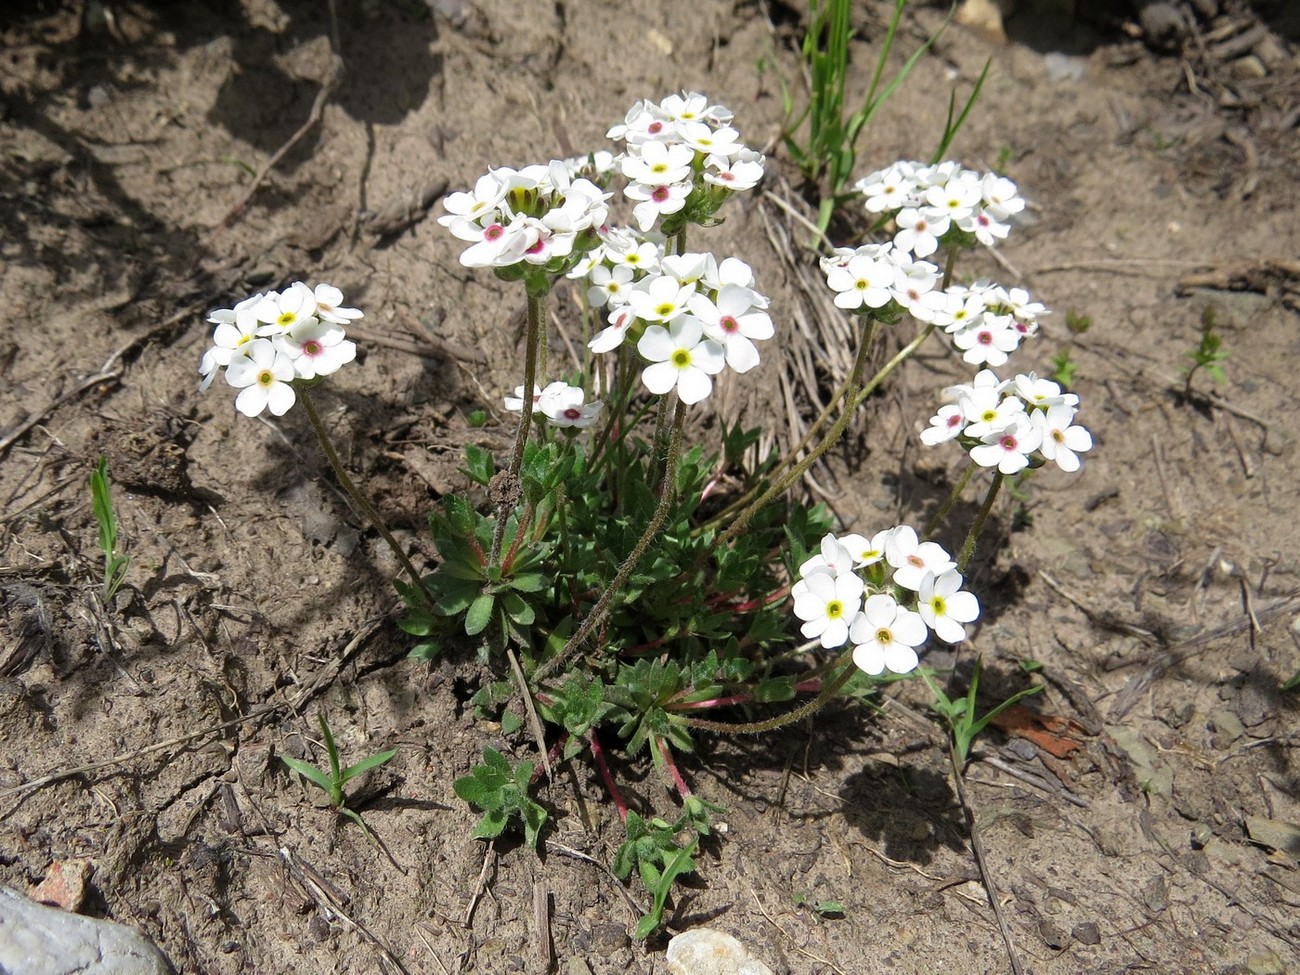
(660, 377)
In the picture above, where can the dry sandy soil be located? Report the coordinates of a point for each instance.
(1158, 588)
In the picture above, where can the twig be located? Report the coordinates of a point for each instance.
(981, 860)
(428, 346)
(542, 925)
(534, 722)
(332, 78)
(489, 855)
(107, 375)
(797, 947)
(1156, 666)
(1037, 781)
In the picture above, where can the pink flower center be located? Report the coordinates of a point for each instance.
(537, 248)
(660, 194)
(728, 324)
(572, 413)
(916, 561)
(312, 348)
(984, 338)
(494, 232)
(954, 420)
(654, 128)
(1008, 443)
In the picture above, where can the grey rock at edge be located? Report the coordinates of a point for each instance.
(704, 951)
(40, 940)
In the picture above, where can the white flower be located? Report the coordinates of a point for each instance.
(500, 244)
(1041, 393)
(889, 189)
(609, 285)
(865, 552)
(563, 406)
(480, 202)
(612, 337)
(285, 310)
(515, 403)
(731, 320)
(828, 605)
(236, 327)
(741, 173)
(912, 558)
(885, 635)
(834, 558)
(1001, 198)
(263, 376)
(988, 343)
(1062, 441)
(682, 357)
(317, 349)
(945, 425)
(707, 141)
(1008, 449)
(987, 411)
(660, 299)
(329, 300)
(944, 608)
(659, 163)
(957, 198)
(656, 201)
(864, 281)
(919, 230)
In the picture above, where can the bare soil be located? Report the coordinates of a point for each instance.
(1158, 589)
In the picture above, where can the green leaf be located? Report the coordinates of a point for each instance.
(479, 615)
(309, 772)
(366, 764)
(492, 825)
(517, 609)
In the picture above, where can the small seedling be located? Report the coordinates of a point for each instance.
(115, 563)
(1292, 683)
(1209, 355)
(651, 849)
(959, 712)
(501, 792)
(826, 908)
(1063, 368)
(332, 782)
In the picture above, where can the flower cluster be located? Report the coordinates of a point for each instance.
(884, 595)
(538, 216)
(272, 340)
(560, 403)
(941, 204)
(689, 314)
(682, 157)
(1005, 423)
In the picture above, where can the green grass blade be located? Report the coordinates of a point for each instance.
(309, 772)
(365, 765)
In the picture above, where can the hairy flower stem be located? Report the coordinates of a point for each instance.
(977, 526)
(598, 754)
(748, 501)
(829, 689)
(932, 525)
(359, 499)
(536, 323)
(601, 610)
(670, 763)
(781, 485)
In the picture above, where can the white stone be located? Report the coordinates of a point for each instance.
(703, 951)
(40, 940)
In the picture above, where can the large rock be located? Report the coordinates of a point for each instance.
(39, 940)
